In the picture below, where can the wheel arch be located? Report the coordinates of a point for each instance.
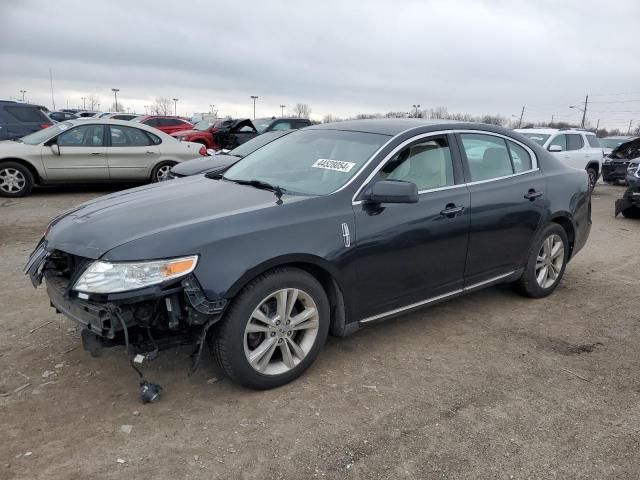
(565, 221)
(595, 165)
(158, 163)
(319, 269)
(29, 166)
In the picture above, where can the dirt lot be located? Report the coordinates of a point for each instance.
(488, 386)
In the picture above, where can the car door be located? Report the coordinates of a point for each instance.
(578, 151)
(82, 154)
(131, 153)
(507, 204)
(408, 253)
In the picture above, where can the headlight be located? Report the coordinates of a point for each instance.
(107, 277)
(606, 160)
(634, 169)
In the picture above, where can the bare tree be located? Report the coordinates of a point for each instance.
(302, 110)
(161, 106)
(121, 107)
(93, 101)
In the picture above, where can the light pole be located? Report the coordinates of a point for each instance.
(23, 92)
(115, 95)
(175, 106)
(416, 112)
(254, 97)
(282, 107)
(84, 103)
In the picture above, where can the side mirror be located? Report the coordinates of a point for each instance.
(55, 148)
(392, 191)
(555, 148)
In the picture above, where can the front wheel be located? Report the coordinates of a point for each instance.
(593, 178)
(15, 180)
(546, 263)
(274, 329)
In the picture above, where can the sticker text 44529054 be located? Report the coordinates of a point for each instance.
(337, 165)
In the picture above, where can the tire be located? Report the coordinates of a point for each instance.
(16, 180)
(593, 178)
(529, 283)
(237, 339)
(632, 212)
(161, 170)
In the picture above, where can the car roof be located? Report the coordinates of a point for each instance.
(109, 121)
(388, 126)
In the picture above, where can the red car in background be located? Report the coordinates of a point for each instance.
(164, 123)
(219, 134)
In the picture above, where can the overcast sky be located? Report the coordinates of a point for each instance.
(340, 57)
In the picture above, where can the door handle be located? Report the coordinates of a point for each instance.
(532, 194)
(96, 153)
(451, 210)
(149, 152)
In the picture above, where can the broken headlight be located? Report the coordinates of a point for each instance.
(107, 277)
(634, 169)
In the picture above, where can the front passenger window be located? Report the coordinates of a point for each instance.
(560, 140)
(84, 136)
(487, 156)
(426, 163)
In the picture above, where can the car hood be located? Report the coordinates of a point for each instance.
(204, 164)
(182, 210)
(628, 150)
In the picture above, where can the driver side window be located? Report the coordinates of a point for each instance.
(560, 140)
(427, 163)
(83, 136)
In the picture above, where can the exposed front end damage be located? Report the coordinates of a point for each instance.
(145, 321)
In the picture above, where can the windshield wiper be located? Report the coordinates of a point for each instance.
(258, 184)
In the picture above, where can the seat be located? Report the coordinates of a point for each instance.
(495, 163)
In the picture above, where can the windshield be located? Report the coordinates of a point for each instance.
(256, 143)
(310, 162)
(261, 124)
(202, 125)
(612, 142)
(43, 135)
(539, 138)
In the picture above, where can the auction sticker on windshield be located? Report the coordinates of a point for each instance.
(337, 165)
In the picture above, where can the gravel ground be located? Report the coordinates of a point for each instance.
(491, 385)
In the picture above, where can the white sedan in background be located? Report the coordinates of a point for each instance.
(92, 150)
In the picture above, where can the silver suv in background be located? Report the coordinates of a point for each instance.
(576, 148)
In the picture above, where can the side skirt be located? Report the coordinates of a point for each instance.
(505, 277)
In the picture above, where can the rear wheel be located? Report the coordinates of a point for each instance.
(631, 212)
(15, 180)
(546, 263)
(161, 171)
(274, 329)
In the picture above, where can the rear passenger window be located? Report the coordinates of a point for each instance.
(487, 156)
(128, 137)
(519, 157)
(27, 114)
(593, 141)
(426, 163)
(574, 141)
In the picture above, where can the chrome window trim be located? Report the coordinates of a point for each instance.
(436, 298)
(534, 160)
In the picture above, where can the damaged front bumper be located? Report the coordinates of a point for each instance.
(156, 317)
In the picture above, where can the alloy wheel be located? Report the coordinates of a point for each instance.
(281, 331)
(12, 180)
(163, 172)
(549, 261)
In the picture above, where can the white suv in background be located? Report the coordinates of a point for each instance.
(576, 148)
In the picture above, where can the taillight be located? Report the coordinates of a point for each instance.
(44, 125)
(202, 151)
